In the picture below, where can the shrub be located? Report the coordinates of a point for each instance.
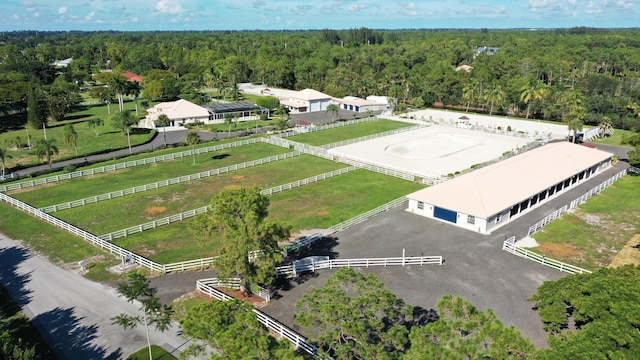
(69, 168)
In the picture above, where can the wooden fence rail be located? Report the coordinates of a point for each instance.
(298, 341)
(295, 269)
(124, 165)
(510, 246)
(168, 182)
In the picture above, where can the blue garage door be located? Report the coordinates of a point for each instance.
(444, 214)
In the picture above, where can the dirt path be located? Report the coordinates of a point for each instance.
(629, 255)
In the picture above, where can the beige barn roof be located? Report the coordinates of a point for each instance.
(181, 109)
(487, 191)
(310, 94)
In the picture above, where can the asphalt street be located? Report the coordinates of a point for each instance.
(73, 313)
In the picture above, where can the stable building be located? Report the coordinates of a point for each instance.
(489, 197)
(359, 105)
(307, 100)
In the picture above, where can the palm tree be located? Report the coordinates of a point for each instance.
(94, 124)
(105, 98)
(125, 121)
(495, 95)
(119, 86)
(3, 157)
(163, 120)
(71, 136)
(334, 110)
(134, 89)
(469, 92)
(228, 119)
(46, 148)
(192, 139)
(530, 93)
(606, 128)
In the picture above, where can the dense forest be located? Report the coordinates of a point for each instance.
(545, 74)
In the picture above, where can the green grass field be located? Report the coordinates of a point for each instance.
(314, 206)
(88, 142)
(78, 188)
(591, 236)
(348, 132)
(157, 353)
(122, 212)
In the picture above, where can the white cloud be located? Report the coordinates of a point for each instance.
(62, 10)
(356, 7)
(410, 6)
(90, 16)
(168, 7)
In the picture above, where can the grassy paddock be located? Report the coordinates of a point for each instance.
(78, 188)
(348, 132)
(154, 204)
(593, 235)
(318, 205)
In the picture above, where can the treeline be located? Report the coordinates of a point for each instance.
(542, 74)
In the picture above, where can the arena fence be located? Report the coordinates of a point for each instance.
(298, 266)
(510, 246)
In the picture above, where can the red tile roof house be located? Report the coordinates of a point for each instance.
(131, 76)
(489, 197)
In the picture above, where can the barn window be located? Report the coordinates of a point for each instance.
(420, 205)
(471, 219)
(498, 218)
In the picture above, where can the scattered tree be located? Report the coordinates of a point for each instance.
(36, 109)
(463, 332)
(3, 157)
(232, 328)
(240, 216)
(163, 120)
(46, 148)
(354, 317)
(334, 110)
(71, 137)
(591, 316)
(268, 102)
(119, 86)
(124, 121)
(134, 89)
(138, 288)
(192, 139)
(95, 123)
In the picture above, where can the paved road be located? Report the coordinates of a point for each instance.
(73, 313)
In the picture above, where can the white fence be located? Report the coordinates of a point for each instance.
(298, 341)
(201, 210)
(575, 203)
(328, 126)
(153, 266)
(234, 283)
(379, 168)
(296, 268)
(547, 219)
(372, 136)
(510, 246)
(306, 241)
(124, 165)
(164, 183)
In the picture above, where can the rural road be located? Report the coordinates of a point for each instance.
(73, 313)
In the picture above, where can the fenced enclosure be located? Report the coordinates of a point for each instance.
(298, 267)
(510, 246)
(235, 283)
(124, 165)
(297, 340)
(372, 136)
(173, 181)
(575, 203)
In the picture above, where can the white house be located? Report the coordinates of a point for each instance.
(179, 112)
(359, 105)
(307, 100)
(487, 198)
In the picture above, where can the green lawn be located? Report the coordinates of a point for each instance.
(615, 138)
(78, 188)
(157, 353)
(118, 213)
(315, 206)
(348, 132)
(88, 142)
(591, 236)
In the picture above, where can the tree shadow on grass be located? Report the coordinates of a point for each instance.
(69, 338)
(220, 156)
(15, 283)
